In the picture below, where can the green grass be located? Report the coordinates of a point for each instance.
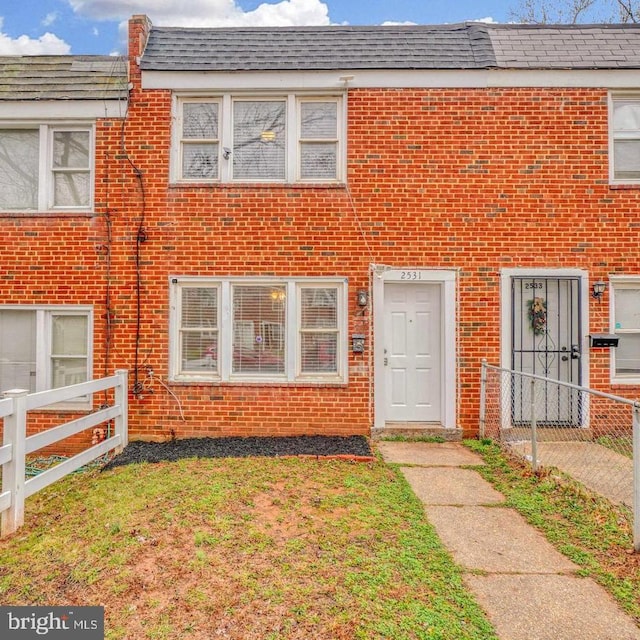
(591, 531)
(408, 438)
(252, 548)
(622, 445)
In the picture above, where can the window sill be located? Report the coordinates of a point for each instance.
(48, 214)
(231, 186)
(260, 383)
(66, 408)
(625, 382)
(624, 186)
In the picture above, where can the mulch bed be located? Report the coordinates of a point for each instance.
(352, 448)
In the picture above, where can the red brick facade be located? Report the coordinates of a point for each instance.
(476, 180)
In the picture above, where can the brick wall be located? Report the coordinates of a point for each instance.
(473, 179)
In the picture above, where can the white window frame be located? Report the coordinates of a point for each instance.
(223, 372)
(44, 343)
(300, 141)
(46, 172)
(614, 136)
(178, 147)
(214, 372)
(225, 133)
(620, 282)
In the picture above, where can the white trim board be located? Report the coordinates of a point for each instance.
(83, 110)
(219, 81)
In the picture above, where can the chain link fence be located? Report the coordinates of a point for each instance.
(589, 435)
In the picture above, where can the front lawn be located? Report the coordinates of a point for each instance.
(241, 548)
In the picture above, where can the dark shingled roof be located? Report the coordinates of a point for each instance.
(457, 46)
(611, 46)
(317, 48)
(63, 78)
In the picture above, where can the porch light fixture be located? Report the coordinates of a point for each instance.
(599, 288)
(362, 297)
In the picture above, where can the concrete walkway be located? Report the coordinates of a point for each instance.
(529, 590)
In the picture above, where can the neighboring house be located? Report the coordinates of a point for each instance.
(60, 125)
(323, 230)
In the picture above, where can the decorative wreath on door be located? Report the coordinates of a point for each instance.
(538, 315)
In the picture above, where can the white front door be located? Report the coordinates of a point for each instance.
(412, 352)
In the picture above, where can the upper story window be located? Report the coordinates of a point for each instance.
(625, 139)
(46, 167)
(268, 139)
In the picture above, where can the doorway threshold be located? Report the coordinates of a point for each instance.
(416, 431)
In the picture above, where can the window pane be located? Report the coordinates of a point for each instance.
(318, 161)
(259, 140)
(627, 354)
(17, 350)
(200, 120)
(627, 308)
(19, 152)
(319, 311)
(199, 337)
(627, 159)
(71, 149)
(68, 340)
(259, 329)
(71, 189)
(626, 115)
(318, 120)
(319, 308)
(66, 371)
(319, 352)
(199, 307)
(69, 335)
(200, 351)
(200, 161)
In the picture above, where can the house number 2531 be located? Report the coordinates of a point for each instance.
(410, 275)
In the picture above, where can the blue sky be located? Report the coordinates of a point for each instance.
(31, 27)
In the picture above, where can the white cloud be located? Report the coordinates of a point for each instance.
(207, 13)
(47, 44)
(392, 23)
(50, 18)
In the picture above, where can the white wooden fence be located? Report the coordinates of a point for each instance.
(16, 445)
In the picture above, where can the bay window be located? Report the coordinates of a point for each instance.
(239, 329)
